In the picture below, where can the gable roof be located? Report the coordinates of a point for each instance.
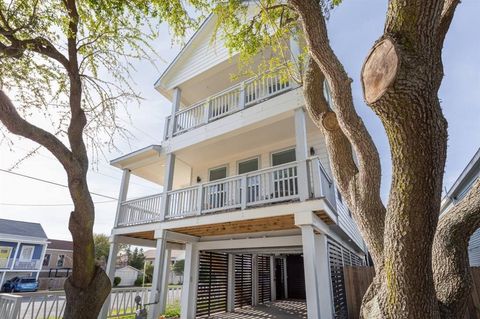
(18, 228)
(60, 244)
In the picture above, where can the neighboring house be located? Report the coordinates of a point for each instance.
(58, 260)
(22, 249)
(176, 255)
(248, 192)
(128, 275)
(456, 193)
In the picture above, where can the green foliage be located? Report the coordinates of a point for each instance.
(102, 246)
(112, 35)
(178, 267)
(139, 281)
(137, 258)
(116, 281)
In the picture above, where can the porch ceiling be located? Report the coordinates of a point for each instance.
(231, 146)
(276, 223)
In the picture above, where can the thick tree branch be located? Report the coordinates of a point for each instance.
(17, 125)
(366, 189)
(446, 18)
(450, 253)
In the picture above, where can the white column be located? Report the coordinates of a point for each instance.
(177, 93)
(254, 280)
(110, 270)
(166, 275)
(231, 283)
(285, 277)
(15, 254)
(42, 256)
(301, 153)
(189, 290)
(319, 303)
(122, 196)
(157, 280)
(295, 51)
(273, 279)
(167, 183)
(323, 276)
(3, 278)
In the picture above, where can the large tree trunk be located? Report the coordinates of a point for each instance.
(401, 78)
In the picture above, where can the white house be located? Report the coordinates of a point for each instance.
(248, 193)
(456, 193)
(127, 275)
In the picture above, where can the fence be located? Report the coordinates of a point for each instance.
(51, 305)
(357, 280)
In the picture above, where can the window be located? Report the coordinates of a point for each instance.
(4, 256)
(282, 157)
(340, 199)
(27, 253)
(46, 260)
(60, 260)
(217, 173)
(249, 165)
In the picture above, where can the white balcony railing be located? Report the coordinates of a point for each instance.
(6, 263)
(140, 210)
(233, 99)
(33, 264)
(51, 304)
(263, 187)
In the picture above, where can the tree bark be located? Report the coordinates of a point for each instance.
(400, 78)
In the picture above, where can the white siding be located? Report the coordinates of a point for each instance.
(200, 55)
(128, 276)
(474, 249)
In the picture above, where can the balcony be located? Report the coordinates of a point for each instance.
(229, 101)
(262, 187)
(33, 264)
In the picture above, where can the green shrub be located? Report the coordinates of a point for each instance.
(116, 281)
(138, 281)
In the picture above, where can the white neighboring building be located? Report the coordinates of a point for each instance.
(248, 193)
(456, 193)
(128, 275)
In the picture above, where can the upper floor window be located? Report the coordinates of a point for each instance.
(283, 157)
(249, 165)
(217, 173)
(46, 260)
(26, 253)
(60, 260)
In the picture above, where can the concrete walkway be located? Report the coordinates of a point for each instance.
(283, 309)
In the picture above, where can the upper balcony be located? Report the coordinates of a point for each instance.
(236, 98)
(269, 186)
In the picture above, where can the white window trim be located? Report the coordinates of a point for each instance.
(31, 255)
(217, 167)
(249, 159)
(58, 258)
(49, 260)
(279, 151)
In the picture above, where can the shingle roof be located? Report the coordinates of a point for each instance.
(60, 244)
(18, 228)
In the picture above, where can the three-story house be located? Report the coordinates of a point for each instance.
(247, 193)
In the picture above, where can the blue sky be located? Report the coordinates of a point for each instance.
(353, 28)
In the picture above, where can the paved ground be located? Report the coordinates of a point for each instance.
(284, 309)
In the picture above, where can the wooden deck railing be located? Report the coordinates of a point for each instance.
(231, 100)
(262, 187)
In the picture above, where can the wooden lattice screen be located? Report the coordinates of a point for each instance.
(212, 283)
(339, 257)
(243, 280)
(264, 283)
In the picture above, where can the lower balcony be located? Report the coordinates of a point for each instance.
(278, 184)
(33, 264)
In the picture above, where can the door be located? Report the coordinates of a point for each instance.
(216, 194)
(295, 277)
(280, 278)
